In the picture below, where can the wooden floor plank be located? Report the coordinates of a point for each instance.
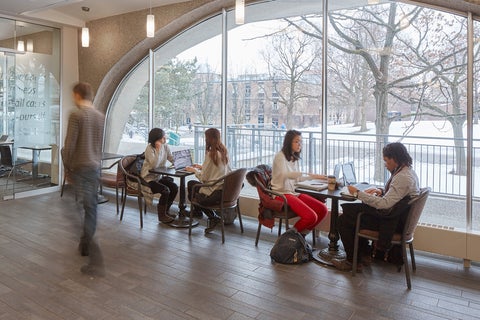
(158, 272)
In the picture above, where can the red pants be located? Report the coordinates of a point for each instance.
(310, 210)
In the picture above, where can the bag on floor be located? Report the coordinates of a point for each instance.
(291, 248)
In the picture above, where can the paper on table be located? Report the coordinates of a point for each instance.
(315, 184)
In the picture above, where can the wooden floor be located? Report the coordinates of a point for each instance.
(161, 273)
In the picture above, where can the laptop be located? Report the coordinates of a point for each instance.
(349, 177)
(4, 138)
(182, 159)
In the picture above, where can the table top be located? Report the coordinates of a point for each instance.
(110, 156)
(170, 171)
(36, 148)
(336, 194)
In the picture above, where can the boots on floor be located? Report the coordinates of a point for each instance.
(162, 214)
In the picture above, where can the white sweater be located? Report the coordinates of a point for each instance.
(285, 174)
(211, 172)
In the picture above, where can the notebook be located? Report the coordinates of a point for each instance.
(317, 185)
(182, 159)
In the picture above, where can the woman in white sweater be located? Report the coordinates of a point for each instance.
(286, 173)
(214, 167)
(157, 153)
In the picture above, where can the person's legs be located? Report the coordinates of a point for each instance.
(210, 200)
(86, 183)
(197, 212)
(318, 207)
(307, 215)
(173, 190)
(164, 191)
(346, 224)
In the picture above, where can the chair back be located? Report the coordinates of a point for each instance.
(232, 186)
(6, 156)
(124, 164)
(416, 207)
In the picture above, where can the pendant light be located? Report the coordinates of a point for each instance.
(21, 45)
(150, 23)
(85, 32)
(85, 37)
(239, 11)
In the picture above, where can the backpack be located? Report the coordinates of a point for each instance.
(135, 167)
(291, 248)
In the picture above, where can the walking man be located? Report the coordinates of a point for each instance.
(83, 154)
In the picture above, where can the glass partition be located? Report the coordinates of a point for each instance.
(30, 105)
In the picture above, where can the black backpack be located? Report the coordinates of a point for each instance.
(291, 248)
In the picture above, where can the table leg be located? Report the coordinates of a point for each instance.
(182, 221)
(35, 156)
(326, 255)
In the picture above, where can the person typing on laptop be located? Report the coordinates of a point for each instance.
(157, 153)
(213, 168)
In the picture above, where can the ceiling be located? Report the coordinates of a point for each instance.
(70, 12)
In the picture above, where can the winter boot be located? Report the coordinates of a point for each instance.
(162, 214)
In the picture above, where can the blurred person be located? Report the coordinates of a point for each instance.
(83, 155)
(213, 168)
(157, 153)
(386, 208)
(286, 173)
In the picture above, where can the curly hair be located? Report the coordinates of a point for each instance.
(399, 153)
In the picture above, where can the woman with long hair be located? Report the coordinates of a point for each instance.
(214, 167)
(286, 173)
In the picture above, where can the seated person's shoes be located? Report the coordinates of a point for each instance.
(212, 223)
(345, 265)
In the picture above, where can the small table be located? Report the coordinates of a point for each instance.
(181, 221)
(35, 157)
(326, 255)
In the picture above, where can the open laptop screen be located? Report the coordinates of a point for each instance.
(182, 159)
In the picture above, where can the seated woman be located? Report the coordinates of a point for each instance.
(157, 153)
(385, 208)
(214, 167)
(286, 173)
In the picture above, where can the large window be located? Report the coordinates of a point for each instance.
(395, 72)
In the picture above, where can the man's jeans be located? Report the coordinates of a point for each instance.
(86, 184)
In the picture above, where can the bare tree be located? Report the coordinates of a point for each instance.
(289, 57)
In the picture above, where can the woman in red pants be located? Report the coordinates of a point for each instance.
(286, 173)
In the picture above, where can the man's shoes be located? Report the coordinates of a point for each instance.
(83, 249)
(345, 265)
(212, 223)
(93, 271)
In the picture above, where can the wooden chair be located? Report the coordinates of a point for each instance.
(133, 188)
(232, 185)
(281, 211)
(113, 180)
(406, 237)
